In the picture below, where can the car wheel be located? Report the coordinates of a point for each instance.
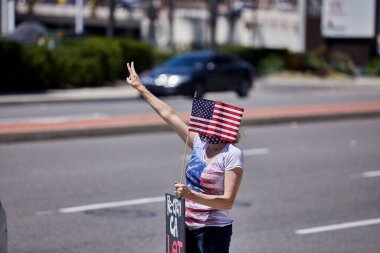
(243, 88)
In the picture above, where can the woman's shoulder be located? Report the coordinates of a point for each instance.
(234, 149)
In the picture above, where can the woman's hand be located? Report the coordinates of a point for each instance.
(181, 190)
(133, 78)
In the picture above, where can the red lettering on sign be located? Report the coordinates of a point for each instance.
(177, 246)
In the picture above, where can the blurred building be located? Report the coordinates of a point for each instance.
(297, 25)
(348, 26)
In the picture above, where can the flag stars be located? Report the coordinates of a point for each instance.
(203, 108)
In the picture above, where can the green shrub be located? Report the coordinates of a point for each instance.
(341, 62)
(256, 55)
(314, 61)
(77, 62)
(295, 62)
(271, 63)
(373, 66)
(38, 67)
(90, 61)
(139, 52)
(10, 54)
(76, 69)
(26, 67)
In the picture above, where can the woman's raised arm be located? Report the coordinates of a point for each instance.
(162, 109)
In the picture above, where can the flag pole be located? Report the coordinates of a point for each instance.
(184, 155)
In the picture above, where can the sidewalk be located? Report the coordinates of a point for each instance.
(121, 91)
(20, 131)
(118, 92)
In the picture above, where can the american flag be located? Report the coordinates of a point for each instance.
(216, 119)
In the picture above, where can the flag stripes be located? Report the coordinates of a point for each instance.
(216, 119)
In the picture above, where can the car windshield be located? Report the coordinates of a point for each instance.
(186, 61)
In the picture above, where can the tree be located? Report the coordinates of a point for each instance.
(213, 12)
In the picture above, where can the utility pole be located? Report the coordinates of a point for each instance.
(111, 19)
(11, 16)
(302, 24)
(152, 15)
(171, 22)
(79, 17)
(7, 17)
(213, 11)
(2, 6)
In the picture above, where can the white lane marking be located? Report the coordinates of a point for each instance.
(256, 151)
(374, 173)
(133, 202)
(338, 226)
(77, 209)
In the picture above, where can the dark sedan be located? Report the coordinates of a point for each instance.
(200, 71)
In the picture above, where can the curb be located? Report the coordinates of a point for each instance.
(153, 124)
(121, 92)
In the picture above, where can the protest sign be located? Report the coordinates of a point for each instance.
(175, 224)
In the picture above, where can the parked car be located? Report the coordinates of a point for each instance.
(200, 71)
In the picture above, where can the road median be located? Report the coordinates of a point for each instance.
(122, 125)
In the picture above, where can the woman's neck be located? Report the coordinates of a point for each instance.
(216, 148)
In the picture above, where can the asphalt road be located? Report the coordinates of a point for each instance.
(264, 95)
(296, 177)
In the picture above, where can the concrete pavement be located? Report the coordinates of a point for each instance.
(29, 131)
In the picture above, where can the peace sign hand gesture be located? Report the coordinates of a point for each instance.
(133, 78)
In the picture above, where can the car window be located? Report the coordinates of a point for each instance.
(223, 60)
(186, 61)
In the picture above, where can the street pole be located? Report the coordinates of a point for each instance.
(111, 19)
(213, 8)
(7, 17)
(2, 15)
(171, 21)
(302, 24)
(79, 17)
(152, 15)
(11, 16)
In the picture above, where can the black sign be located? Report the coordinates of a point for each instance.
(175, 224)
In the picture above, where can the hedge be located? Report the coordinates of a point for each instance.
(264, 59)
(78, 62)
(373, 66)
(95, 61)
(25, 67)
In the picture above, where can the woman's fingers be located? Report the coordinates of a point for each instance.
(133, 69)
(133, 77)
(129, 68)
(180, 190)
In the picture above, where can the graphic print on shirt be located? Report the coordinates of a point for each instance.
(194, 171)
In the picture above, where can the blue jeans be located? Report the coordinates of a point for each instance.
(209, 240)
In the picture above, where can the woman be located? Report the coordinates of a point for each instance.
(213, 177)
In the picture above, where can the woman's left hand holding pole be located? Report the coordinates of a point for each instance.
(182, 190)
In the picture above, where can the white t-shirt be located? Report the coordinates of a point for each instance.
(209, 179)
